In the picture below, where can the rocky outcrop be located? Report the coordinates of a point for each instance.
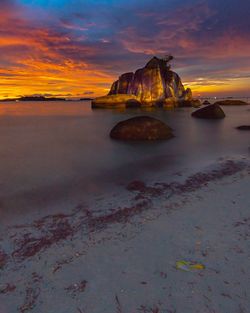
(133, 103)
(231, 102)
(154, 84)
(213, 111)
(141, 128)
(113, 101)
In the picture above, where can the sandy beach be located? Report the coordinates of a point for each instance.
(125, 260)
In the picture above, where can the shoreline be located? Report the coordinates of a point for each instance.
(82, 238)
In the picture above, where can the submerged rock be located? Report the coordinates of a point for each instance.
(231, 102)
(141, 128)
(243, 127)
(212, 111)
(152, 84)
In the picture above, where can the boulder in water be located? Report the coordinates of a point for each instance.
(206, 102)
(212, 111)
(141, 128)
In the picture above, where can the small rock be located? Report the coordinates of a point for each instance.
(206, 102)
(213, 111)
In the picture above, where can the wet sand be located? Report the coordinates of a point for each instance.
(122, 259)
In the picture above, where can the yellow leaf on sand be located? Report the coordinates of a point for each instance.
(189, 266)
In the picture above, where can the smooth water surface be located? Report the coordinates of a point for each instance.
(61, 151)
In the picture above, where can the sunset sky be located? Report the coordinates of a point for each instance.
(77, 48)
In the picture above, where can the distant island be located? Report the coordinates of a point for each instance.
(33, 98)
(40, 98)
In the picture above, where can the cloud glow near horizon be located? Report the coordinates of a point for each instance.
(74, 48)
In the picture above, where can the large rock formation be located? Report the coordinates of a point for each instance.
(155, 84)
(141, 128)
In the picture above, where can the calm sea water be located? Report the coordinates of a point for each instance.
(56, 151)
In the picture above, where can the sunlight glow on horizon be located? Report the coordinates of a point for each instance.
(73, 49)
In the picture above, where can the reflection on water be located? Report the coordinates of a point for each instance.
(56, 150)
(44, 108)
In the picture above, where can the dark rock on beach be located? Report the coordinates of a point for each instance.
(141, 128)
(213, 111)
(243, 127)
(231, 102)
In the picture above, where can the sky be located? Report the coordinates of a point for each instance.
(77, 48)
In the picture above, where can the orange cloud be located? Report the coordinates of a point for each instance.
(68, 55)
(38, 60)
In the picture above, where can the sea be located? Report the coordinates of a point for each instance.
(59, 154)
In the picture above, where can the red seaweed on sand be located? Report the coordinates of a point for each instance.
(52, 229)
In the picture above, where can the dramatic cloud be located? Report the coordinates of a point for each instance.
(79, 47)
